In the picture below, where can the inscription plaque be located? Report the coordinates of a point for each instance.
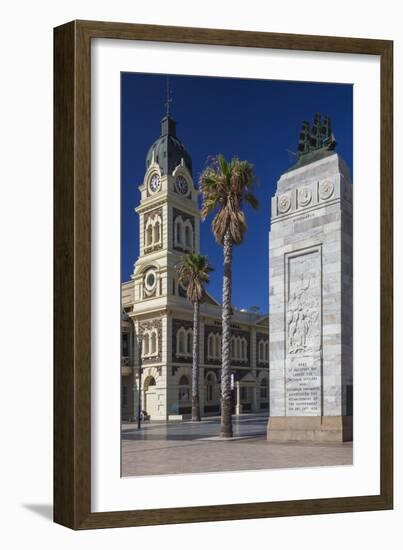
(303, 382)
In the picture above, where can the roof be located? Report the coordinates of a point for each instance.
(168, 151)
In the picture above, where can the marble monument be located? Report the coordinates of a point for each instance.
(311, 306)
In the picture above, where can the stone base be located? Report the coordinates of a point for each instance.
(310, 428)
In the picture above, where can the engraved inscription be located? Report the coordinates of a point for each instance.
(303, 386)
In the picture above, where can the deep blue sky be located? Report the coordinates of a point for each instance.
(256, 120)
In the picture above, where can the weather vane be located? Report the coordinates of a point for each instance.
(169, 96)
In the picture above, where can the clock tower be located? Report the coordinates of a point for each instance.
(169, 220)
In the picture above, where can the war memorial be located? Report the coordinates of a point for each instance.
(310, 280)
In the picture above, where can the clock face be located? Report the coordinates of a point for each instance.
(181, 185)
(155, 183)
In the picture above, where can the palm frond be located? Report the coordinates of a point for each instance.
(193, 273)
(252, 200)
(225, 186)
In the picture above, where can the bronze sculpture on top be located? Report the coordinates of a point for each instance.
(315, 142)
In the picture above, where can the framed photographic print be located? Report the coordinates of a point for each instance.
(223, 275)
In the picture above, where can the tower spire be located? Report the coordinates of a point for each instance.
(169, 98)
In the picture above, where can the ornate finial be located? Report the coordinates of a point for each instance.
(169, 97)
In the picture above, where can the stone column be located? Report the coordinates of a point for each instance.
(311, 303)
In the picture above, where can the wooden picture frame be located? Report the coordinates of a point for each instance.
(72, 271)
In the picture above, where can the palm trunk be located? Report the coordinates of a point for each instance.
(226, 412)
(195, 369)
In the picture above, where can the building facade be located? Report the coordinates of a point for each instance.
(156, 316)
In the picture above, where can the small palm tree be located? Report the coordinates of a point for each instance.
(225, 187)
(193, 274)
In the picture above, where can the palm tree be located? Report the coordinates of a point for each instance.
(193, 274)
(225, 187)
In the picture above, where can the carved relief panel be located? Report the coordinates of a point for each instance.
(303, 332)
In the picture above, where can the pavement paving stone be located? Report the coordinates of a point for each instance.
(189, 447)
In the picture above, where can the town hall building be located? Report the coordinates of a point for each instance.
(157, 317)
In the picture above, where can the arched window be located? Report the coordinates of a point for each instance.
(153, 231)
(238, 348)
(154, 343)
(263, 389)
(149, 381)
(190, 342)
(146, 344)
(149, 235)
(244, 350)
(211, 346)
(263, 350)
(188, 235)
(210, 380)
(218, 346)
(180, 341)
(179, 231)
(157, 232)
(184, 390)
(184, 342)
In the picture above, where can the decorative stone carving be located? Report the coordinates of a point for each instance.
(304, 196)
(284, 204)
(326, 190)
(303, 304)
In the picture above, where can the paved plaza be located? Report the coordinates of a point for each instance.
(191, 447)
